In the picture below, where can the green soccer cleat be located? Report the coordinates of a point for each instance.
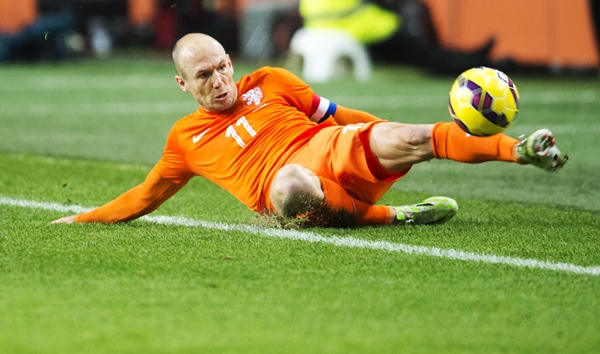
(434, 210)
(539, 150)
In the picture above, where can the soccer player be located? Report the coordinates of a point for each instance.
(281, 149)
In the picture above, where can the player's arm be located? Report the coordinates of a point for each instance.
(136, 202)
(345, 116)
(318, 109)
(323, 109)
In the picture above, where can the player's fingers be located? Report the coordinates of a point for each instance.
(65, 220)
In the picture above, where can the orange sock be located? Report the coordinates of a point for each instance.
(452, 143)
(340, 209)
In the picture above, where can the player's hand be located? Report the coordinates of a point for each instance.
(65, 220)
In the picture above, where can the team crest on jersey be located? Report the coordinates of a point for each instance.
(253, 96)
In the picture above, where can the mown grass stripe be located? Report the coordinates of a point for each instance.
(177, 106)
(333, 240)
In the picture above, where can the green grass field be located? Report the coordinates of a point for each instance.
(516, 271)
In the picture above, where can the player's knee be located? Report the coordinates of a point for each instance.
(295, 190)
(294, 179)
(399, 146)
(412, 137)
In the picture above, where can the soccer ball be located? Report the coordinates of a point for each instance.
(483, 101)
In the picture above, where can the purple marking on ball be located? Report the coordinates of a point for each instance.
(476, 99)
(462, 125)
(487, 101)
(451, 108)
(473, 86)
(513, 92)
(498, 119)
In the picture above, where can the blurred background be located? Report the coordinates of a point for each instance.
(549, 36)
(93, 79)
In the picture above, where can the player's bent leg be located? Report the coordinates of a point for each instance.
(295, 191)
(399, 146)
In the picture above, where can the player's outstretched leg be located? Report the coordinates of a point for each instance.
(450, 142)
(539, 149)
(434, 210)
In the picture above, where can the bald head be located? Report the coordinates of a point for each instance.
(194, 45)
(204, 69)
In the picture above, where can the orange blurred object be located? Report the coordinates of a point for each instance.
(141, 12)
(558, 33)
(17, 14)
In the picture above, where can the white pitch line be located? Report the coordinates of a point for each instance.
(333, 240)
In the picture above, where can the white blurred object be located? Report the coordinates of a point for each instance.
(323, 52)
(75, 42)
(100, 39)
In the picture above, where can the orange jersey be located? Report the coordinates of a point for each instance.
(242, 148)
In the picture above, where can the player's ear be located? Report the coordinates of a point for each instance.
(181, 82)
(230, 64)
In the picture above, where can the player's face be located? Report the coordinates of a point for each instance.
(208, 76)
